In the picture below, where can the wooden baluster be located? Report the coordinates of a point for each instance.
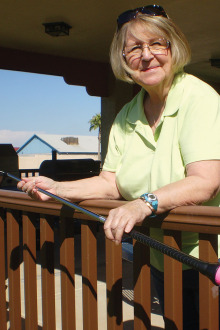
(114, 285)
(47, 264)
(3, 308)
(208, 292)
(142, 285)
(173, 306)
(30, 283)
(89, 275)
(14, 261)
(67, 267)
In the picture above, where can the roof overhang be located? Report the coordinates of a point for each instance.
(82, 58)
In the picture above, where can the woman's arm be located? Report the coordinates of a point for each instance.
(102, 186)
(201, 184)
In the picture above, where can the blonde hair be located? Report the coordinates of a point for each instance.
(161, 26)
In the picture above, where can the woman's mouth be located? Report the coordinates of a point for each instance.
(151, 68)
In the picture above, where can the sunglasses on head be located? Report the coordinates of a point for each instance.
(152, 10)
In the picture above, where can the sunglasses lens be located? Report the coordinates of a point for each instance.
(126, 17)
(152, 10)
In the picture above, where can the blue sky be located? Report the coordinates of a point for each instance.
(34, 103)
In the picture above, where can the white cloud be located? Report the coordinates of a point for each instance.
(16, 138)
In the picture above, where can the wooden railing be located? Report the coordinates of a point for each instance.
(28, 172)
(21, 218)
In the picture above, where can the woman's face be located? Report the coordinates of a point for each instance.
(150, 70)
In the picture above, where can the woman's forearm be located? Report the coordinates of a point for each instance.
(97, 187)
(201, 184)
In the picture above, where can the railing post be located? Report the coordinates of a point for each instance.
(114, 285)
(14, 261)
(89, 275)
(3, 309)
(142, 285)
(173, 306)
(67, 267)
(47, 265)
(29, 254)
(208, 292)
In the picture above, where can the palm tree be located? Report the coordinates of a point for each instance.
(95, 122)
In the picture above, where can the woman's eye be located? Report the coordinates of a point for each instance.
(133, 49)
(156, 43)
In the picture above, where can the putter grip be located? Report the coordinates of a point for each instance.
(217, 275)
(211, 270)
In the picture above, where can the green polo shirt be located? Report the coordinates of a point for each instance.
(189, 131)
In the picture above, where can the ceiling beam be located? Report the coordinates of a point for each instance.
(92, 75)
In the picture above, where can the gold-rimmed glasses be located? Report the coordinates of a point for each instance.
(157, 46)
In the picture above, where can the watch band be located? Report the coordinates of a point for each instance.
(151, 201)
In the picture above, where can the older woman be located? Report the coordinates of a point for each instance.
(164, 146)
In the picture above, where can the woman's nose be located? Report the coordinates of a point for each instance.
(146, 53)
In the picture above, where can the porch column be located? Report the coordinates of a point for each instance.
(120, 94)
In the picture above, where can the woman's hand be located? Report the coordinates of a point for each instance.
(124, 218)
(30, 185)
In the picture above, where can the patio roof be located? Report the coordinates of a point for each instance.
(82, 57)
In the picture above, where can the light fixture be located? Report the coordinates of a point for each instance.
(57, 29)
(215, 62)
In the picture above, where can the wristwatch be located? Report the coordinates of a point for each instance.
(151, 201)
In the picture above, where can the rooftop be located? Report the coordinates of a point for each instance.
(62, 144)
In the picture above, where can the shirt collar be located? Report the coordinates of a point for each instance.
(136, 113)
(175, 94)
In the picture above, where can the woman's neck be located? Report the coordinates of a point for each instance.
(155, 101)
(153, 111)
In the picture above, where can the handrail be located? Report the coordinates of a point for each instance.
(185, 218)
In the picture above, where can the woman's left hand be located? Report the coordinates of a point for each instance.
(124, 218)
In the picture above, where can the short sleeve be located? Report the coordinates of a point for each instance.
(200, 132)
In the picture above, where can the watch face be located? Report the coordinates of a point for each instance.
(152, 197)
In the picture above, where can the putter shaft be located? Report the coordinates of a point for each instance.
(61, 200)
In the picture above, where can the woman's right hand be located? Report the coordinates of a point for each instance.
(30, 185)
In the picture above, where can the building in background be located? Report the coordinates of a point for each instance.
(42, 147)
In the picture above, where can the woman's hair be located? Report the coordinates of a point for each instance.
(158, 25)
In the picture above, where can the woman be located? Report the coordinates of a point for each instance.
(164, 146)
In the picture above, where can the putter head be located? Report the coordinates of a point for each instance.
(2, 176)
(2, 173)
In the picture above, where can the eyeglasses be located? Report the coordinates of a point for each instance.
(155, 46)
(152, 10)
